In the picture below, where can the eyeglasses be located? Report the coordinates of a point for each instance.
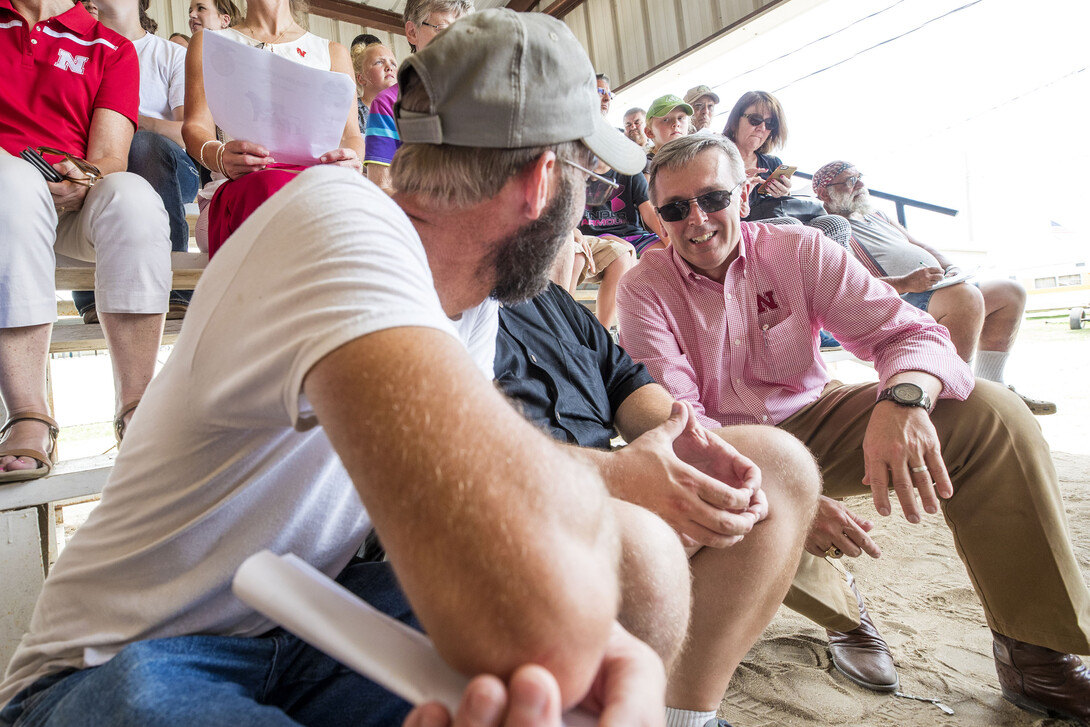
(598, 187)
(850, 181)
(434, 27)
(756, 120)
(709, 202)
(90, 171)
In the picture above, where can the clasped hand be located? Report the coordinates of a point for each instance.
(691, 478)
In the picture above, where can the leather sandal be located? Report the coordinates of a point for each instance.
(46, 460)
(119, 420)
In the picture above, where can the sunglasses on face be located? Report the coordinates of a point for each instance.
(709, 202)
(90, 171)
(603, 92)
(850, 181)
(755, 120)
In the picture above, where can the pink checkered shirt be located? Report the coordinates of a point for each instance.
(746, 351)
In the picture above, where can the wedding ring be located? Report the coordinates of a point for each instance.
(921, 468)
(834, 552)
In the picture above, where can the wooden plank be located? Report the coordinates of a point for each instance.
(74, 335)
(521, 6)
(22, 572)
(351, 12)
(69, 479)
(186, 267)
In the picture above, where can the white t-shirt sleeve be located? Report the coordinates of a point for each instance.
(162, 76)
(328, 259)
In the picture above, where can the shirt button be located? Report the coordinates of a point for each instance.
(729, 297)
(737, 381)
(764, 418)
(764, 327)
(737, 342)
(34, 41)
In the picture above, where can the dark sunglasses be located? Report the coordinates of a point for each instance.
(755, 121)
(91, 172)
(709, 202)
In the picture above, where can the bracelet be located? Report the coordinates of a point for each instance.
(200, 156)
(219, 162)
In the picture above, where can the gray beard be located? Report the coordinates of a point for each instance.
(848, 206)
(521, 263)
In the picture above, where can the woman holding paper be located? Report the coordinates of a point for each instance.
(241, 177)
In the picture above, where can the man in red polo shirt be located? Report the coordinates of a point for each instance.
(73, 85)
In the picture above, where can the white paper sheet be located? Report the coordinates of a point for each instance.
(954, 279)
(331, 618)
(298, 113)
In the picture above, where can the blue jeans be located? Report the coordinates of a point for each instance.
(272, 680)
(173, 176)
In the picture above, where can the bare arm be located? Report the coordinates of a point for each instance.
(380, 175)
(107, 148)
(651, 219)
(170, 129)
(503, 542)
(239, 157)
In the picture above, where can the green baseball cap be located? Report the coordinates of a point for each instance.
(499, 79)
(665, 104)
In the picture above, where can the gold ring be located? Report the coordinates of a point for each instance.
(921, 468)
(834, 552)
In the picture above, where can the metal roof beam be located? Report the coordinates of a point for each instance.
(359, 14)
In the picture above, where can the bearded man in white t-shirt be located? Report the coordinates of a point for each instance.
(329, 379)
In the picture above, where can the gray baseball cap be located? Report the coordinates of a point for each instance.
(499, 79)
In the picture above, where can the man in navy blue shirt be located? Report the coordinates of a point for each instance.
(564, 371)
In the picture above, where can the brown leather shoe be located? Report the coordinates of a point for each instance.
(862, 654)
(1041, 680)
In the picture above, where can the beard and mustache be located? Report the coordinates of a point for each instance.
(521, 263)
(850, 203)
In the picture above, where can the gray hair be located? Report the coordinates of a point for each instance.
(417, 11)
(459, 177)
(635, 110)
(680, 152)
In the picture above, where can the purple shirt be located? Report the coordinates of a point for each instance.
(746, 352)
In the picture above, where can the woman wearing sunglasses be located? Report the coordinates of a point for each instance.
(757, 127)
(242, 177)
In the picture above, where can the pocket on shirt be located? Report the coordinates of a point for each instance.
(783, 353)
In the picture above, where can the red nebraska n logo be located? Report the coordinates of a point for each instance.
(765, 302)
(68, 62)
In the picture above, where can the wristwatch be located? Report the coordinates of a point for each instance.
(906, 395)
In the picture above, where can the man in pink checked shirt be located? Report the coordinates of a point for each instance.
(728, 319)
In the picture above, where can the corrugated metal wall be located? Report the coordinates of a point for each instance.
(624, 38)
(627, 38)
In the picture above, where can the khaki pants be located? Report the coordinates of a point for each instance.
(1006, 514)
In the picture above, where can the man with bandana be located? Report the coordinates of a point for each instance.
(982, 317)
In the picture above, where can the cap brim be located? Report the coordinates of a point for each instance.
(615, 149)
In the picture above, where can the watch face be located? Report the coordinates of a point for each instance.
(907, 393)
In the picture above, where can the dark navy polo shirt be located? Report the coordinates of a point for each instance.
(560, 365)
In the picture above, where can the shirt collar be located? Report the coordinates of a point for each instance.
(76, 19)
(688, 273)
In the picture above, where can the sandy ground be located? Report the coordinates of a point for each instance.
(919, 595)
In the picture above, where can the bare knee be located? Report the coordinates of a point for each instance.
(655, 575)
(788, 469)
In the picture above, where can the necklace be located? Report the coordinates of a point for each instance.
(261, 43)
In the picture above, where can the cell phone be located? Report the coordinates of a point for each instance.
(781, 171)
(41, 164)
